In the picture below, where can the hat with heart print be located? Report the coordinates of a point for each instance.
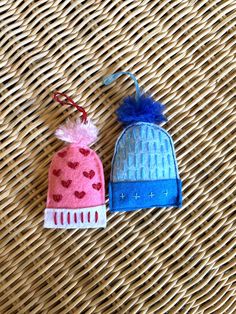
(76, 192)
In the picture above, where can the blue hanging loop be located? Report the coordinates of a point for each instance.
(111, 78)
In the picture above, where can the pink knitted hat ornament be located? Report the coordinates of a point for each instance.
(76, 189)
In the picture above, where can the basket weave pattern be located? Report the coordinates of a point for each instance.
(150, 261)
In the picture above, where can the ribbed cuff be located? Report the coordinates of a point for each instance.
(81, 218)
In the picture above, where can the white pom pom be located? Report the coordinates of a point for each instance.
(77, 132)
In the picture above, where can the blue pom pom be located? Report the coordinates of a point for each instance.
(145, 109)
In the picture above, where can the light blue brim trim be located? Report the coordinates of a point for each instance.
(132, 195)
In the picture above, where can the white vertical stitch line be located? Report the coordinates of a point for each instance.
(135, 156)
(130, 148)
(169, 165)
(156, 158)
(141, 152)
(147, 152)
(122, 158)
(152, 154)
(117, 164)
(163, 155)
(129, 166)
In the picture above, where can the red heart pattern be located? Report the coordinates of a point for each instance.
(79, 194)
(57, 197)
(56, 172)
(84, 151)
(73, 165)
(97, 186)
(62, 154)
(89, 174)
(66, 183)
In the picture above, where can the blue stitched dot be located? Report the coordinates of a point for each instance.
(165, 193)
(151, 194)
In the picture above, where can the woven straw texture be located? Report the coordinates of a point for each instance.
(150, 261)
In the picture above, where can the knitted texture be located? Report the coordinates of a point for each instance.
(144, 154)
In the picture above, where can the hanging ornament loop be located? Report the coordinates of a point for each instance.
(57, 96)
(111, 78)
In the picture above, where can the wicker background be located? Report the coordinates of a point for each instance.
(151, 261)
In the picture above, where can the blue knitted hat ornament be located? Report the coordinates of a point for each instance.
(144, 168)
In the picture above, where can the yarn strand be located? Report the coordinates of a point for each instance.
(70, 102)
(111, 78)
